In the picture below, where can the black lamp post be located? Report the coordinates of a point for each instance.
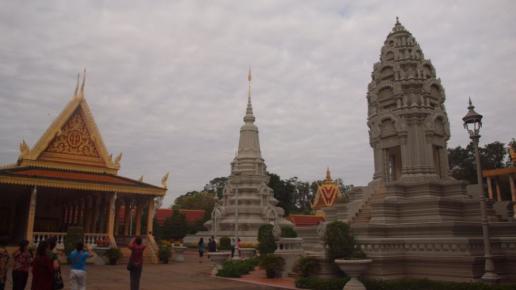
(473, 123)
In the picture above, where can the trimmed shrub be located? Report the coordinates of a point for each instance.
(315, 283)
(113, 255)
(424, 284)
(340, 243)
(307, 266)
(165, 251)
(288, 232)
(224, 244)
(73, 236)
(273, 265)
(235, 269)
(266, 243)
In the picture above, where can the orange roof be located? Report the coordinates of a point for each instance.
(191, 215)
(104, 178)
(300, 220)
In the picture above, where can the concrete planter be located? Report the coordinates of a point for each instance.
(179, 251)
(218, 259)
(247, 253)
(353, 268)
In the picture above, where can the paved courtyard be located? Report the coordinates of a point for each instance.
(187, 275)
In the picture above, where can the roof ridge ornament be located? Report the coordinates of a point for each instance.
(164, 180)
(81, 92)
(77, 85)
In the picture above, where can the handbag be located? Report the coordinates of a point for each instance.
(58, 280)
(130, 266)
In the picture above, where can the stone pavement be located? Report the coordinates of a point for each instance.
(188, 275)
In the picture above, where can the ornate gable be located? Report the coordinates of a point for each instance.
(72, 141)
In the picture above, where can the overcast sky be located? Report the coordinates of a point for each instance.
(167, 80)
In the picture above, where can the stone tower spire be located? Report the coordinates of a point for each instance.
(249, 159)
(406, 116)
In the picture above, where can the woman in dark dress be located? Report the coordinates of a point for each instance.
(42, 269)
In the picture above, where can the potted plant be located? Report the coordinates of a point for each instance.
(164, 253)
(113, 255)
(179, 250)
(342, 249)
(218, 259)
(273, 265)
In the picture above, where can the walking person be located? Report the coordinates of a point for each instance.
(4, 260)
(214, 243)
(77, 260)
(42, 269)
(135, 264)
(232, 247)
(22, 259)
(201, 248)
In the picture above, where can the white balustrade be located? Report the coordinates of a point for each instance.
(89, 238)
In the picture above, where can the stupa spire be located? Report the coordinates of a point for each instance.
(328, 174)
(249, 116)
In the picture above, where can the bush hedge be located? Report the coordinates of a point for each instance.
(266, 242)
(273, 265)
(307, 266)
(235, 269)
(288, 232)
(424, 284)
(315, 283)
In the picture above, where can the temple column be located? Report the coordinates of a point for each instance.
(127, 216)
(513, 193)
(96, 214)
(138, 218)
(150, 216)
(490, 187)
(117, 218)
(111, 216)
(498, 193)
(29, 233)
(87, 214)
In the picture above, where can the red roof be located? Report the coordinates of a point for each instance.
(191, 215)
(300, 220)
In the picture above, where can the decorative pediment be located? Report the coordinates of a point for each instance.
(72, 141)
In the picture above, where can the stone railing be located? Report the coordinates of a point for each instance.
(89, 238)
(92, 238)
(290, 244)
(43, 236)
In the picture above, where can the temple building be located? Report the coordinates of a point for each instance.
(68, 178)
(413, 219)
(247, 202)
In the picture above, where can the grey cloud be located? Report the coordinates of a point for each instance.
(167, 79)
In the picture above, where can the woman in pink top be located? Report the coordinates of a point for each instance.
(135, 264)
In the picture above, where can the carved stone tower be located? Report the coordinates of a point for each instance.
(406, 116)
(247, 188)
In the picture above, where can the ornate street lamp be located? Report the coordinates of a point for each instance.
(473, 123)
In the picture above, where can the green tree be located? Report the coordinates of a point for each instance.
(196, 200)
(216, 185)
(283, 191)
(462, 160)
(174, 227)
(266, 243)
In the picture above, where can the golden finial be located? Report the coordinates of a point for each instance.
(81, 93)
(328, 174)
(140, 179)
(118, 158)
(164, 180)
(77, 85)
(24, 148)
